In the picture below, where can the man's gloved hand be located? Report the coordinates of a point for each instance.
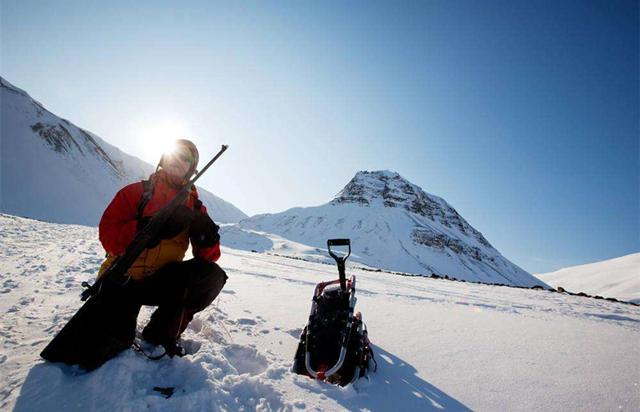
(178, 222)
(203, 231)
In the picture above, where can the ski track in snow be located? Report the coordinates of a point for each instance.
(439, 344)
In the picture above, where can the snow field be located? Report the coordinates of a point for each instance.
(438, 344)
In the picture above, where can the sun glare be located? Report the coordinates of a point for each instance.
(159, 137)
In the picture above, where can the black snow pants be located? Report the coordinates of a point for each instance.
(179, 290)
(106, 324)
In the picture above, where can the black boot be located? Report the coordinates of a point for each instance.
(164, 326)
(174, 349)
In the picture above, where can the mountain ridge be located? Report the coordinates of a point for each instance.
(56, 171)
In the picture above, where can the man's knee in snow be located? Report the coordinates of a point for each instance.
(207, 285)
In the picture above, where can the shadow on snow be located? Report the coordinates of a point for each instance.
(394, 386)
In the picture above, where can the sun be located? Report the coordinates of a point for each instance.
(159, 136)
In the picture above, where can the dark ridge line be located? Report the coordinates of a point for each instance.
(560, 289)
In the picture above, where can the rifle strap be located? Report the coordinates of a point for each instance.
(197, 204)
(147, 192)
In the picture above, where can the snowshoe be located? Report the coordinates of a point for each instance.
(334, 345)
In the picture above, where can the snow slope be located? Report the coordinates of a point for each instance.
(439, 345)
(395, 225)
(52, 170)
(256, 241)
(616, 278)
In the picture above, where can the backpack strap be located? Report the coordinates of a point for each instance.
(147, 192)
(197, 203)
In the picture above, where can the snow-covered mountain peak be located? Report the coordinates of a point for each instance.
(389, 189)
(376, 186)
(394, 224)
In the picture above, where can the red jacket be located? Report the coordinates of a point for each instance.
(119, 226)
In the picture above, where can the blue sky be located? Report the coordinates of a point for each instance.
(523, 115)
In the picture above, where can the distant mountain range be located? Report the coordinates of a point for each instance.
(52, 170)
(614, 278)
(395, 225)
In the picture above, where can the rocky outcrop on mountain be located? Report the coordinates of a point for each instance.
(394, 191)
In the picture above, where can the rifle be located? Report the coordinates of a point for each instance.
(94, 334)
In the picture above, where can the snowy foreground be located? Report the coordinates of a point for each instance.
(440, 345)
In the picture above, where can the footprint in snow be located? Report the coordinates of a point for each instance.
(295, 332)
(276, 372)
(246, 321)
(191, 346)
(212, 329)
(196, 325)
(247, 325)
(258, 317)
(24, 301)
(9, 285)
(38, 268)
(245, 360)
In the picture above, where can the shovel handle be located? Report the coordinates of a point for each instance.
(339, 242)
(340, 259)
